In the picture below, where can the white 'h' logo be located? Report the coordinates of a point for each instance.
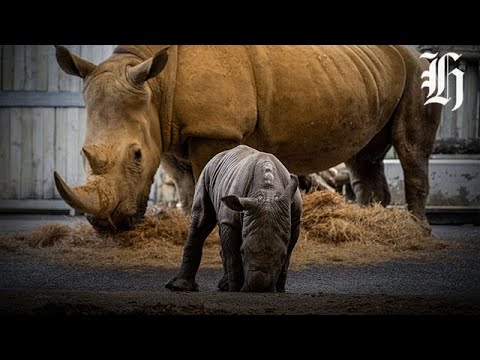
(437, 78)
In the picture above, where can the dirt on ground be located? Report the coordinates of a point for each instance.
(69, 304)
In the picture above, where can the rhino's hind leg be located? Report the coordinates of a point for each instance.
(414, 126)
(202, 223)
(413, 139)
(367, 174)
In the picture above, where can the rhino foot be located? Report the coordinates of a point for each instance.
(179, 284)
(426, 227)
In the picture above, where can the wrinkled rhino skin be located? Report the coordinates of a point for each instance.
(257, 205)
(311, 106)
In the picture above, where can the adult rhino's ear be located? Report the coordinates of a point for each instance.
(148, 69)
(238, 204)
(73, 64)
(290, 189)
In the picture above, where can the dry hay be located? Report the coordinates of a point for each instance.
(157, 241)
(333, 231)
(337, 231)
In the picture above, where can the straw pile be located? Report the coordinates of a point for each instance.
(337, 231)
(333, 231)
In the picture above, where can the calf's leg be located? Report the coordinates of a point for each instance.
(202, 223)
(296, 213)
(231, 239)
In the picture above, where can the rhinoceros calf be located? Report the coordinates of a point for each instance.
(257, 205)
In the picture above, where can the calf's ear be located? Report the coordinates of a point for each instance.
(290, 189)
(238, 204)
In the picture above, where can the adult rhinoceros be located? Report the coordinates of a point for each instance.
(311, 106)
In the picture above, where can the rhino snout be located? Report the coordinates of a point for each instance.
(259, 280)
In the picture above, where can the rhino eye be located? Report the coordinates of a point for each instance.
(136, 151)
(138, 154)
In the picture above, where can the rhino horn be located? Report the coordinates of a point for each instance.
(93, 198)
(96, 158)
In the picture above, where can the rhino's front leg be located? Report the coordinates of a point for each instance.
(231, 239)
(202, 223)
(295, 232)
(223, 283)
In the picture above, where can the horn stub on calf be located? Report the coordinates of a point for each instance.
(92, 198)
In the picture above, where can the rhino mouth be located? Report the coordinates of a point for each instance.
(109, 225)
(103, 206)
(117, 222)
(112, 224)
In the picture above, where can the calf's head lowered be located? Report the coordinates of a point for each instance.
(266, 232)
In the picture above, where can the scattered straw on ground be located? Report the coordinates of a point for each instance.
(333, 231)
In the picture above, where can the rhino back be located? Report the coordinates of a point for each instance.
(297, 102)
(215, 94)
(239, 172)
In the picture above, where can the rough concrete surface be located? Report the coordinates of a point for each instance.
(447, 285)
